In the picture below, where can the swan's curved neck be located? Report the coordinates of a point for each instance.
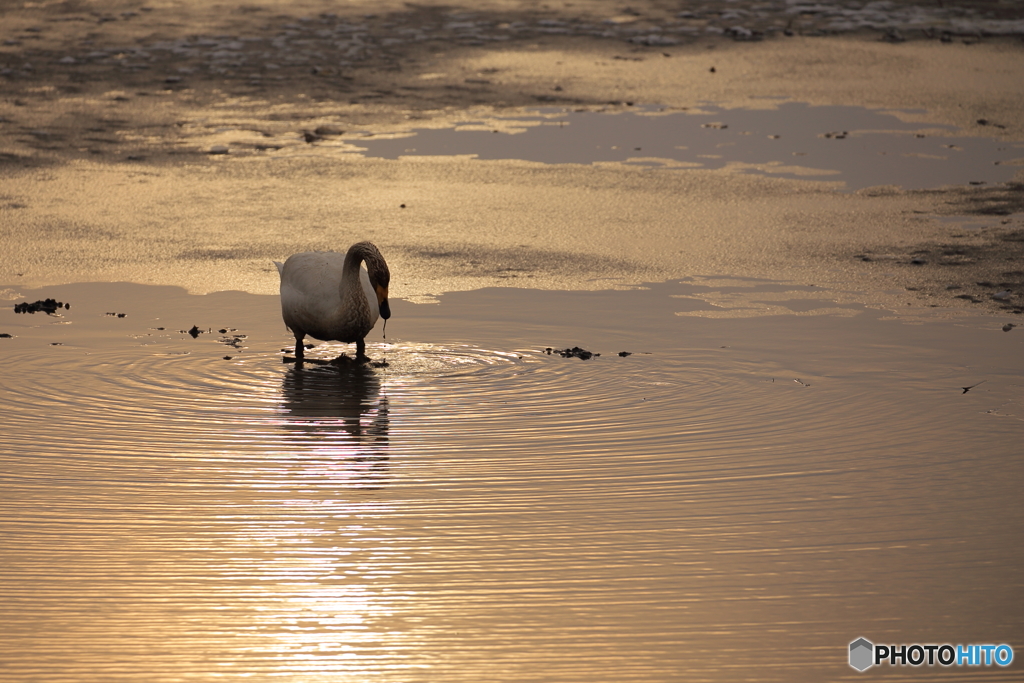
(350, 271)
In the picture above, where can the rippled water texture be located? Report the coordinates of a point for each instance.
(736, 500)
(858, 146)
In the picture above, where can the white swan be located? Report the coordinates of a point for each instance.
(330, 297)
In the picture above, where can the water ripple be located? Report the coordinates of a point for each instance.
(486, 511)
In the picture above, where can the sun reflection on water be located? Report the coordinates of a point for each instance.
(323, 604)
(317, 547)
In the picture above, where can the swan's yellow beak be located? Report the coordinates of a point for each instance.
(382, 302)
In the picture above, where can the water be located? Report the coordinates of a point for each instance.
(486, 510)
(856, 146)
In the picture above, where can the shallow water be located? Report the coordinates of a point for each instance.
(857, 146)
(733, 491)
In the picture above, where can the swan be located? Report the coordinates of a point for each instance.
(328, 295)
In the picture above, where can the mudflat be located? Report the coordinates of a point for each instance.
(794, 413)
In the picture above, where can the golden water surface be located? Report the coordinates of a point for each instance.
(736, 500)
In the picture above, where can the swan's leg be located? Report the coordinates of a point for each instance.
(361, 348)
(299, 349)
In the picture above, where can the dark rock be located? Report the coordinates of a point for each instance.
(623, 354)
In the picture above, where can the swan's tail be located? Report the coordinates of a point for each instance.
(280, 267)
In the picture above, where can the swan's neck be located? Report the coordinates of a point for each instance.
(350, 274)
(354, 297)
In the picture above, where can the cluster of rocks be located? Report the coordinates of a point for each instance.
(48, 306)
(577, 352)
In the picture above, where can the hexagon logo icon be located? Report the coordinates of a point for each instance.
(862, 653)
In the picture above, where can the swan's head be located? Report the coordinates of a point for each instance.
(380, 278)
(382, 300)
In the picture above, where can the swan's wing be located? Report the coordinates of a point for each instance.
(310, 291)
(313, 273)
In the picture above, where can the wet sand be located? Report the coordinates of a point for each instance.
(813, 439)
(108, 173)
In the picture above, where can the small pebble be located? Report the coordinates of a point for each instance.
(1008, 326)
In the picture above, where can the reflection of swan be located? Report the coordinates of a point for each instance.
(339, 410)
(331, 397)
(330, 297)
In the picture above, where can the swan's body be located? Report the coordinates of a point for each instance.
(329, 296)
